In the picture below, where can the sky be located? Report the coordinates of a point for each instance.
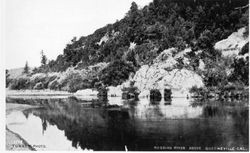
(31, 26)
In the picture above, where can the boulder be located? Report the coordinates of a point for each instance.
(114, 91)
(86, 92)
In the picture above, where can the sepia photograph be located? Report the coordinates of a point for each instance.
(126, 75)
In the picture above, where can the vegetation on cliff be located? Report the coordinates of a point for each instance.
(143, 34)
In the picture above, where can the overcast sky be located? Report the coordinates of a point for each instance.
(35, 25)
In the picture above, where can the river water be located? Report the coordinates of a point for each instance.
(179, 124)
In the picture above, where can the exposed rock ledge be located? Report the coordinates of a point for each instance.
(233, 44)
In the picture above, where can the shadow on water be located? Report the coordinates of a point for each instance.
(143, 125)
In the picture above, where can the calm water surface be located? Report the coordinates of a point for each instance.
(77, 124)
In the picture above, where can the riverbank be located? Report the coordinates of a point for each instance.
(15, 142)
(45, 92)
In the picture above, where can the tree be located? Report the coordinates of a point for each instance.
(241, 67)
(43, 58)
(26, 68)
(131, 56)
(116, 73)
(245, 49)
(7, 75)
(133, 9)
(205, 41)
(240, 71)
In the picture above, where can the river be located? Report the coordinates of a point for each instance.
(175, 125)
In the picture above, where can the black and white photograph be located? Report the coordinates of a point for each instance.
(125, 75)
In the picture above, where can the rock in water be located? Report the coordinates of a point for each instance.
(86, 92)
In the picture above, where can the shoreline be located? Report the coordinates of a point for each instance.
(37, 93)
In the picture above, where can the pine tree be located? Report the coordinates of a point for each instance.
(26, 68)
(43, 58)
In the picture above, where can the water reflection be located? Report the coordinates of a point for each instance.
(140, 125)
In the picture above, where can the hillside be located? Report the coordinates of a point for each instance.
(160, 25)
(17, 72)
(181, 40)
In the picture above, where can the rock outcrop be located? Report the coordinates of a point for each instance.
(233, 44)
(164, 73)
(178, 80)
(86, 92)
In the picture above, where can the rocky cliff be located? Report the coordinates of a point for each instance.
(164, 73)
